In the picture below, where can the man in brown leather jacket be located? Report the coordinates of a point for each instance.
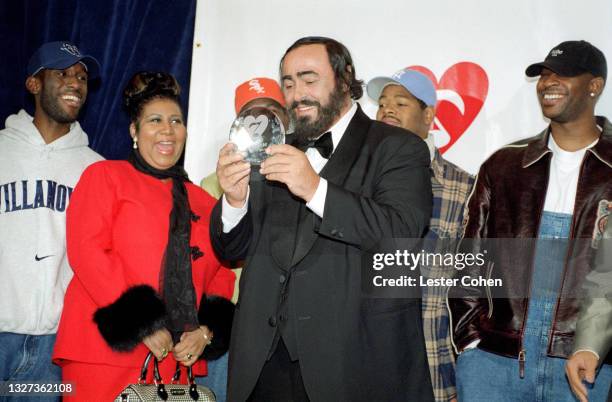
(555, 188)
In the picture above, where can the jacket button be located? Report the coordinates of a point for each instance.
(272, 321)
(282, 278)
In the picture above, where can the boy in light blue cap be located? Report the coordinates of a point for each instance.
(407, 99)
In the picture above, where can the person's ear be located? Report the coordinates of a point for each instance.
(346, 82)
(596, 86)
(33, 85)
(428, 115)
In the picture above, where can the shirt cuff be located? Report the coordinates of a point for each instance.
(317, 203)
(231, 216)
(587, 350)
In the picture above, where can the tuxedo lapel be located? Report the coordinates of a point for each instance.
(335, 171)
(339, 165)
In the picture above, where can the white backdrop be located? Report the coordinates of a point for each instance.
(236, 40)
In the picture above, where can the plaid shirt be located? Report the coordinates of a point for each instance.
(451, 187)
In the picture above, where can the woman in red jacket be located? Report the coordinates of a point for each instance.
(138, 243)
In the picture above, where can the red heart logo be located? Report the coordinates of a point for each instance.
(461, 93)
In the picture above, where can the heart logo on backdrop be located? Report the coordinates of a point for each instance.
(461, 92)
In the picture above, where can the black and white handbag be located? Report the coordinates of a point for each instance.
(158, 391)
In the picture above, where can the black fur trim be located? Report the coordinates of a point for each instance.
(217, 313)
(136, 314)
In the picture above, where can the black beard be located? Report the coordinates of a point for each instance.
(51, 107)
(305, 129)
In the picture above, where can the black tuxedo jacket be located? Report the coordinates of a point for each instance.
(303, 274)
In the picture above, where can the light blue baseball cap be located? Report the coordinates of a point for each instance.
(415, 82)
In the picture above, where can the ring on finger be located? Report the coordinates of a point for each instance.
(207, 338)
(164, 352)
(189, 356)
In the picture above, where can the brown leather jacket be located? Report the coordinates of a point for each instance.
(507, 202)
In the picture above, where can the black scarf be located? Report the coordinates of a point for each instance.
(175, 280)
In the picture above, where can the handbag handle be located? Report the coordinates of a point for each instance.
(161, 389)
(145, 368)
(177, 374)
(193, 389)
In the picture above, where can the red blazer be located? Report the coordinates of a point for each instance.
(117, 231)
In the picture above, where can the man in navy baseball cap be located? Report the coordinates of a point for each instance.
(43, 157)
(57, 77)
(59, 56)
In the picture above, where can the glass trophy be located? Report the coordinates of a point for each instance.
(254, 130)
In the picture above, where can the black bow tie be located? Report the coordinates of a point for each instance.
(323, 144)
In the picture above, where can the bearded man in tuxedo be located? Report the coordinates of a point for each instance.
(304, 330)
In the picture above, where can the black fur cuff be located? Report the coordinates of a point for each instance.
(217, 313)
(135, 315)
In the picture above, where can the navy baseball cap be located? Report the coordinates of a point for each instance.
(572, 58)
(415, 82)
(61, 55)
